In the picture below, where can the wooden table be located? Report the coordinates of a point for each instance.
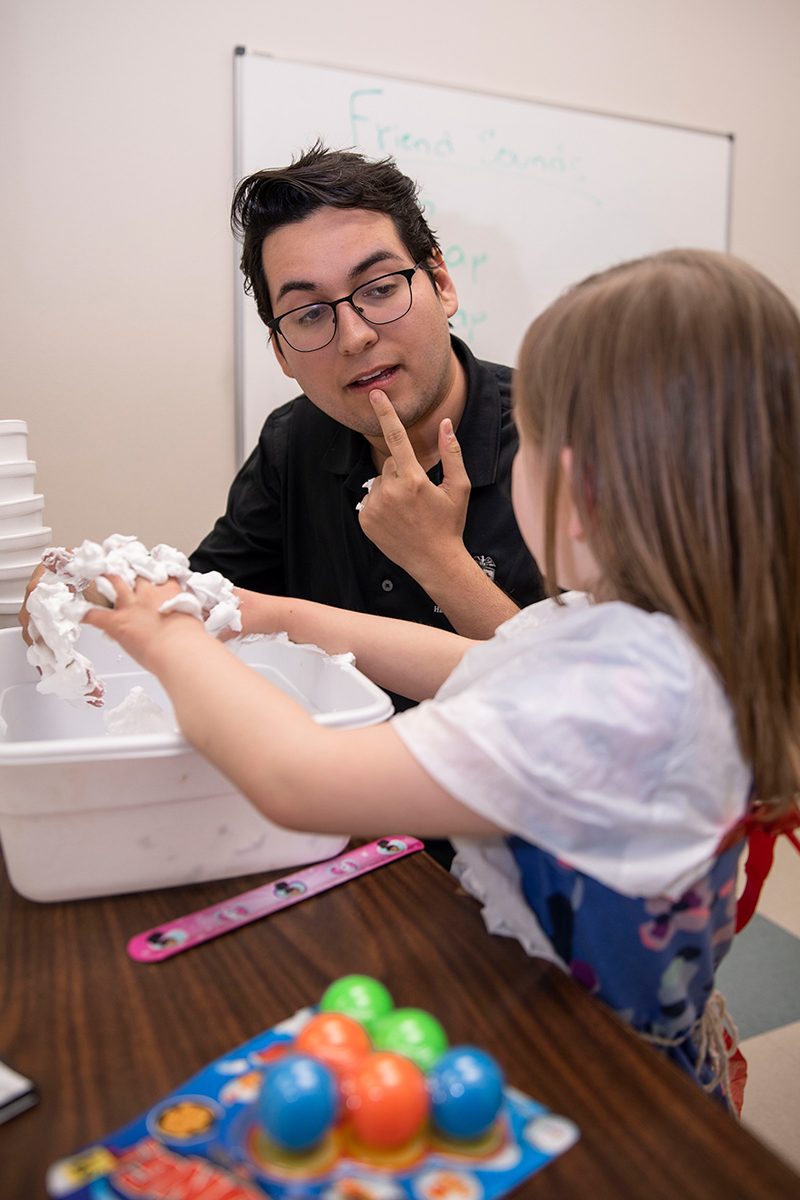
(105, 1037)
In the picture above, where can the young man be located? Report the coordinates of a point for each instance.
(351, 283)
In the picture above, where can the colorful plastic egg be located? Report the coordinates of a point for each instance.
(386, 1100)
(412, 1032)
(338, 1040)
(466, 1090)
(299, 1101)
(357, 996)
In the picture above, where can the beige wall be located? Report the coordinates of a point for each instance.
(117, 280)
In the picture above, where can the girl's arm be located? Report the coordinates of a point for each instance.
(410, 660)
(299, 774)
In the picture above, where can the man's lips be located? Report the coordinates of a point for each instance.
(373, 379)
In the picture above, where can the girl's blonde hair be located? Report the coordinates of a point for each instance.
(676, 381)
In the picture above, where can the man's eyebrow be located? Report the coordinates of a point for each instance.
(296, 285)
(377, 256)
(307, 285)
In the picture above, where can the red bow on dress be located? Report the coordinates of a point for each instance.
(760, 854)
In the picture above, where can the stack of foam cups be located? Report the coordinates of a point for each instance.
(23, 538)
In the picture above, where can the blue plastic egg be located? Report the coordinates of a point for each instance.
(466, 1089)
(299, 1101)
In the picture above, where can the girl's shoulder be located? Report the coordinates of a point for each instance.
(575, 631)
(575, 615)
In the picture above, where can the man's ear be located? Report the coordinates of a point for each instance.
(277, 350)
(443, 283)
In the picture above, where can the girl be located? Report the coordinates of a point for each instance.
(594, 759)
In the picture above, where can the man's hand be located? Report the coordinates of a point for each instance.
(416, 524)
(420, 527)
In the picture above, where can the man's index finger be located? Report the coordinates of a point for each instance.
(393, 430)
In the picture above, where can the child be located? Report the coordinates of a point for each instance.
(598, 751)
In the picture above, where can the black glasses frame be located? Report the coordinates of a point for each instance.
(274, 326)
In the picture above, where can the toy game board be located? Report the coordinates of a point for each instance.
(204, 1142)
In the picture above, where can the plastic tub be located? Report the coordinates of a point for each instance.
(21, 516)
(86, 814)
(17, 549)
(13, 441)
(16, 480)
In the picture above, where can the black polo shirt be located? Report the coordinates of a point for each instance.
(291, 526)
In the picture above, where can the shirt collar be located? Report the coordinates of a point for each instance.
(478, 431)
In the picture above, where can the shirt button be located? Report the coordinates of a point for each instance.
(387, 585)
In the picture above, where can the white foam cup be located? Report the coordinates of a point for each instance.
(16, 480)
(20, 570)
(21, 516)
(13, 581)
(13, 441)
(17, 549)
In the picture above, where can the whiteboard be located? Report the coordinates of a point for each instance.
(525, 198)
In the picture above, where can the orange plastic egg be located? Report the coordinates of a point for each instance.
(336, 1039)
(386, 1100)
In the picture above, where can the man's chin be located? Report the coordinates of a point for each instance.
(367, 429)
(359, 416)
(365, 422)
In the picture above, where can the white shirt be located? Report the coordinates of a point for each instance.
(599, 733)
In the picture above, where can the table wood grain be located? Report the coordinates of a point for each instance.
(105, 1037)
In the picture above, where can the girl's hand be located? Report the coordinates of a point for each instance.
(138, 626)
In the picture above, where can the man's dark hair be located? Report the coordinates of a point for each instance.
(268, 200)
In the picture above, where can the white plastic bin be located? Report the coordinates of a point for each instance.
(85, 814)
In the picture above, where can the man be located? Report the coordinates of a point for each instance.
(351, 283)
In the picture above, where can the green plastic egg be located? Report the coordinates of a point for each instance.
(357, 996)
(412, 1032)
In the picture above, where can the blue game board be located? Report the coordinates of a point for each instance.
(203, 1142)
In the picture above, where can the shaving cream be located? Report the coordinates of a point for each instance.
(56, 607)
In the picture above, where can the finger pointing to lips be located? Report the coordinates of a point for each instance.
(394, 432)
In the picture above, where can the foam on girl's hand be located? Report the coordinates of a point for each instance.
(56, 613)
(56, 608)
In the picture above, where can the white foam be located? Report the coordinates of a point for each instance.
(56, 610)
(138, 713)
(56, 613)
(368, 487)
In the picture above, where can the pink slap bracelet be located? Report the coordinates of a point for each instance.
(154, 945)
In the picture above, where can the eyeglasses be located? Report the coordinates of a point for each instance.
(381, 301)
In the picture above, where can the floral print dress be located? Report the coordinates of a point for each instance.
(652, 961)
